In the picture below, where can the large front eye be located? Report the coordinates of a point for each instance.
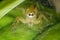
(31, 14)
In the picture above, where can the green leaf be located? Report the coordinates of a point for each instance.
(9, 7)
(51, 34)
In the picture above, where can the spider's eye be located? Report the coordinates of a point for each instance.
(31, 14)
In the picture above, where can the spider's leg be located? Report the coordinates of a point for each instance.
(14, 25)
(40, 23)
(22, 20)
(37, 21)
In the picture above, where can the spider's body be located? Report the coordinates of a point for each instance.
(31, 16)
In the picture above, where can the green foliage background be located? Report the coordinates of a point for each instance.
(23, 32)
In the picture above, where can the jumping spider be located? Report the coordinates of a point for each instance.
(31, 17)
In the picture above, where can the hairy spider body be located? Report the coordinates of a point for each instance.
(31, 17)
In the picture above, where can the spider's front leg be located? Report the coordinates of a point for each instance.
(22, 20)
(15, 23)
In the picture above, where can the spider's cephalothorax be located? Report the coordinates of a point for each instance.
(31, 14)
